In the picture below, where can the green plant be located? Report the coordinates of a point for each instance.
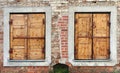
(60, 68)
(116, 71)
(51, 71)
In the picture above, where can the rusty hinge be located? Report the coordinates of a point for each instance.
(43, 21)
(11, 21)
(43, 50)
(11, 50)
(109, 23)
(75, 21)
(75, 52)
(109, 52)
(26, 56)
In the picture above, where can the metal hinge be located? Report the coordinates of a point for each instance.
(109, 52)
(43, 21)
(11, 22)
(109, 23)
(75, 52)
(43, 50)
(75, 21)
(11, 50)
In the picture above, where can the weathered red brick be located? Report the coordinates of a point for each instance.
(64, 17)
(64, 54)
(64, 33)
(64, 49)
(63, 24)
(30, 72)
(64, 28)
(1, 41)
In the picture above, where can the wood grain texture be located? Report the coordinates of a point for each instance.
(92, 32)
(101, 48)
(36, 29)
(101, 29)
(101, 25)
(36, 25)
(27, 32)
(83, 25)
(82, 33)
(36, 48)
(17, 29)
(84, 50)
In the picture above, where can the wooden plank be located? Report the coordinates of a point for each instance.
(37, 32)
(83, 49)
(36, 29)
(36, 42)
(18, 19)
(16, 47)
(18, 42)
(33, 18)
(27, 36)
(18, 53)
(11, 38)
(37, 26)
(18, 24)
(36, 54)
(17, 29)
(101, 25)
(26, 32)
(36, 48)
(83, 25)
(101, 29)
(101, 48)
(36, 20)
(18, 32)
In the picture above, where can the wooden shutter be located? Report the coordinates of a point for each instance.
(27, 36)
(92, 36)
(101, 35)
(17, 29)
(36, 30)
(83, 49)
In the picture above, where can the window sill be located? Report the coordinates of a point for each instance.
(26, 60)
(108, 60)
(93, 62)
(27, 63)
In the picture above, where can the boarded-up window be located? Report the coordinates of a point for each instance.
(27, 36)
(92, 36)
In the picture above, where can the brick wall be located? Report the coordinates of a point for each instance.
(59, 34)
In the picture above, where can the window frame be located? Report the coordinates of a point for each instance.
(7, 12)
(113, 36)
